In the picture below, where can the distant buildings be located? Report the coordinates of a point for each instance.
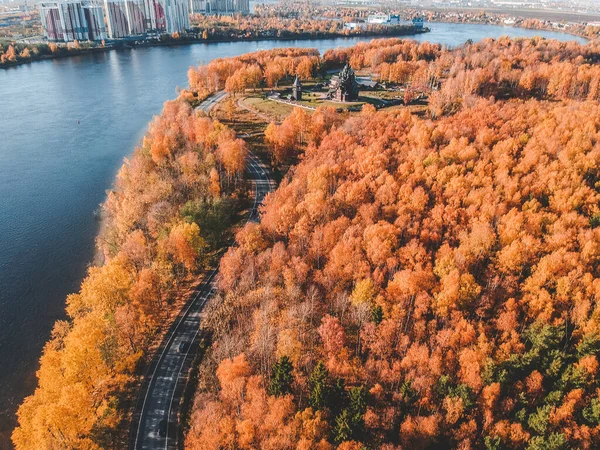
(138, 17)
(117, 19)
(72, 20)
(392, 20)
(355, 25)
(383, 19)
(220, 6)
(68, 20)
(94, 15)
(418, 22)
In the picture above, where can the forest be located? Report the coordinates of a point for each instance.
(280, 26)
(165, 217)
(417, 281)
(418, 285)
(12, 53)
(264, 68)
(501, 68)
(421, 281)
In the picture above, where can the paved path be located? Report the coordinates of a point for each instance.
(211, 101)
(162, 390)
(291, 103)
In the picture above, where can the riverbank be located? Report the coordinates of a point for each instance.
(542, 20)
(70, 52)
(515, 25)
(518, 26)
(540, 14)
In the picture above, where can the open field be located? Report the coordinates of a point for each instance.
(277, 111)
(274, 110)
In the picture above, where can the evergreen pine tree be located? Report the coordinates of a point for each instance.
(377, 314)
(358, 408)
(318, 386)
(342, 430)
(337, 398)
(281, 377)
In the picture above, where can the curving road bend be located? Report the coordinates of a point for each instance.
(161, 393)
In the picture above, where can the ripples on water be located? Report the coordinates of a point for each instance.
(65, 126)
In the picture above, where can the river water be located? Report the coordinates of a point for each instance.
(65, 127)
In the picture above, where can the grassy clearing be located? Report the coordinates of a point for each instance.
(274, 110)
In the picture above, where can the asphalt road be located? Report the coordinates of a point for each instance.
(211, 101)
(162, 390)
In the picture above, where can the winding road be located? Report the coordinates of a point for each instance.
(154, 424)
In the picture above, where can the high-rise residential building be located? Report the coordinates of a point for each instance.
(51, 22)
(137, 17)
(67, 20)
(94, 15)
(116, 18)
(72, 20)
(177, 15)
(199, 7)
(220, 6)
(143, 16)
(242, 6)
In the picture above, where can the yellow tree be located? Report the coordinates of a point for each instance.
(186, 244)
(232, 154)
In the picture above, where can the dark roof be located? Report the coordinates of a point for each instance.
(347, 71)
(366, 82)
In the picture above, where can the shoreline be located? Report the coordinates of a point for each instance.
(539, 14)
(134, 45)
(491, 24)
(147, 44)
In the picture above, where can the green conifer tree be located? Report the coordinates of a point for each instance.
(282, 377)
(342, 430)
(318, 386)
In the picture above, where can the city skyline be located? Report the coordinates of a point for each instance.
(219, 6)
(69, 20)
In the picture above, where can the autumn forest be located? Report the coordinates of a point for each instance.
(421, 279)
